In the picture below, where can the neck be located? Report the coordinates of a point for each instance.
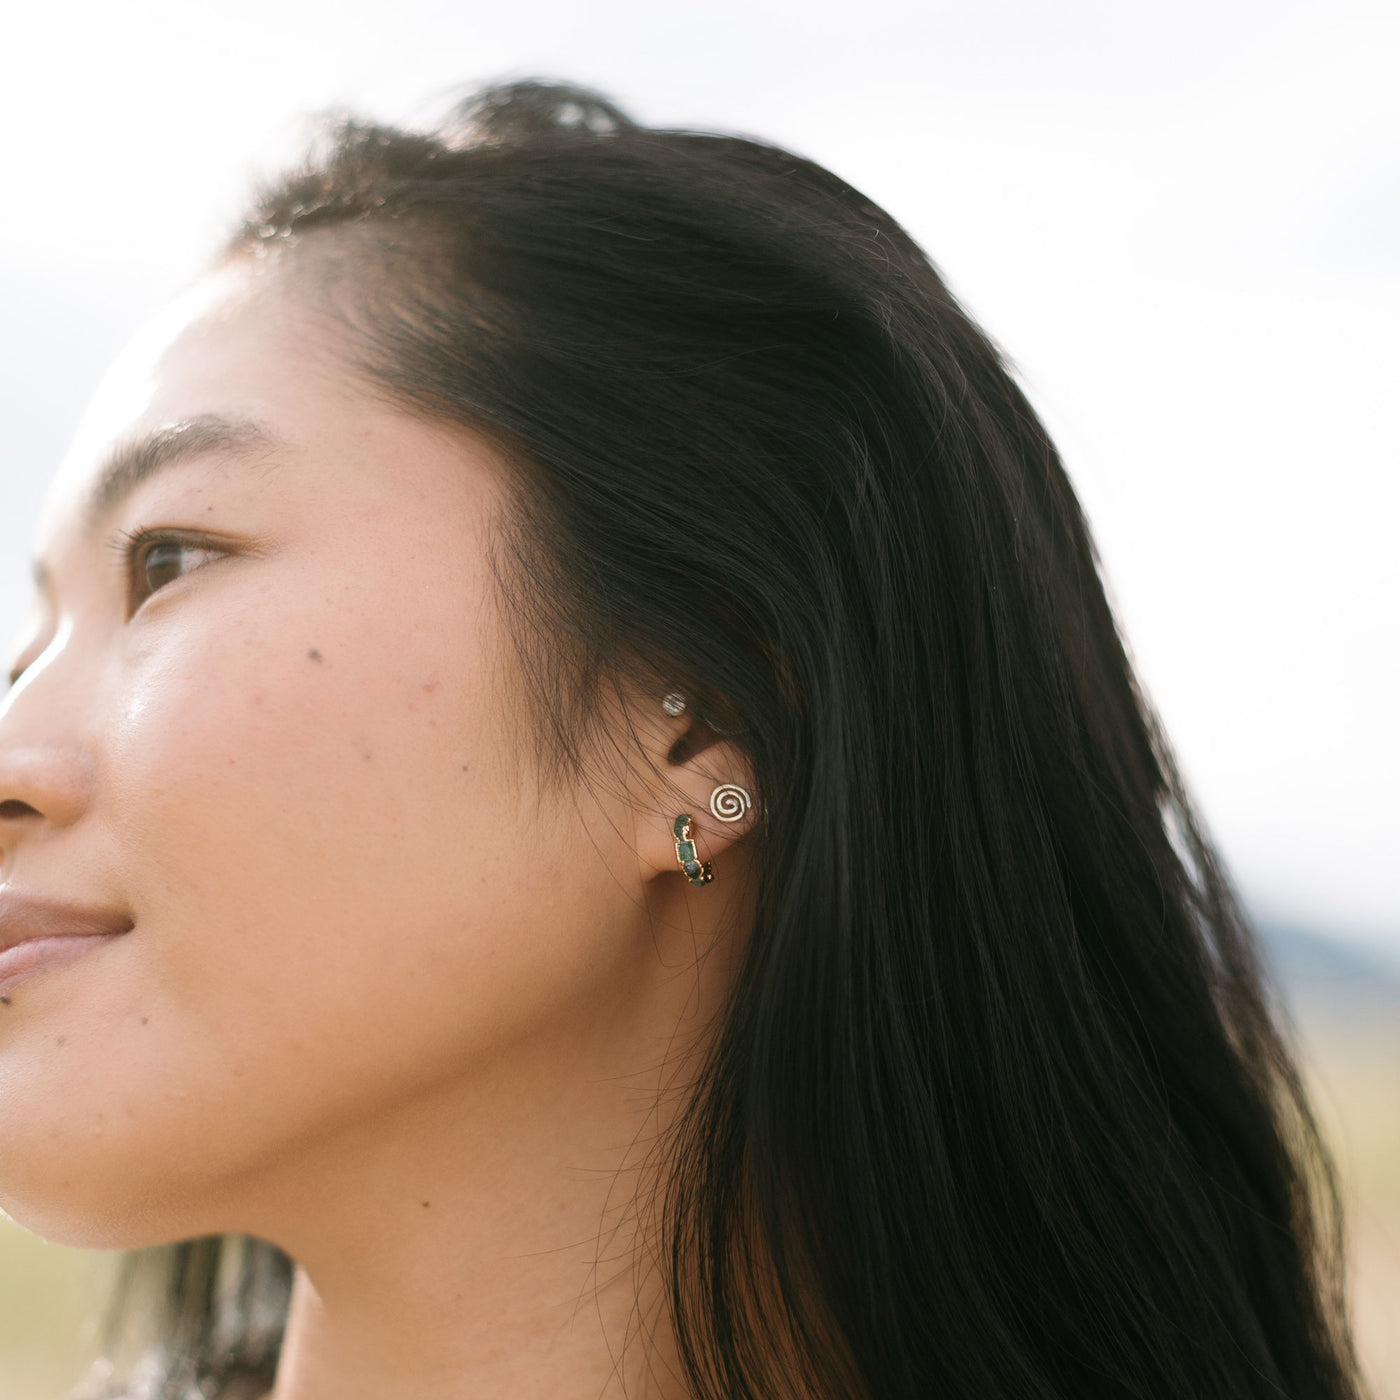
(495, 1237)
(469, 1269)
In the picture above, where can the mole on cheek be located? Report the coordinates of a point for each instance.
(314, 655)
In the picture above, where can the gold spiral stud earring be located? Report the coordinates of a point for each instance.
(729, 802)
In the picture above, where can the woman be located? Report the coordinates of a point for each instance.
(595, 803)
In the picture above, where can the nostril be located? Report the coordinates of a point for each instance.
(14, 809)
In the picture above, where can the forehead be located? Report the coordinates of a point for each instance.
(247, 380)
(239, 346)
(190, 347)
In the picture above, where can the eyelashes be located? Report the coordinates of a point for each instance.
(150, 560)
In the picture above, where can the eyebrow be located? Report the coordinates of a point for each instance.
(139, 460)
(136, 461)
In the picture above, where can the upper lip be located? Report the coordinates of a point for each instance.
(23, 917)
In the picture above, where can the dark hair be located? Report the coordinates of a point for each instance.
(997, 1107)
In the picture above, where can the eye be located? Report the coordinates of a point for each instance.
(154, 560)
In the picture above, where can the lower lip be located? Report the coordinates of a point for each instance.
(21, 961)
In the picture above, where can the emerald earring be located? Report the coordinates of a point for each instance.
(696, 872)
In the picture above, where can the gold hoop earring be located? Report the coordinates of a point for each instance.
(696, 872)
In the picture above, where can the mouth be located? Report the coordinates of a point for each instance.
(20, 960)
(37, 934)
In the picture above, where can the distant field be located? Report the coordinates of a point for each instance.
(1354, 1070)
(48, 1301)
(48, 1296)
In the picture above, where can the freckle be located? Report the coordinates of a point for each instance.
(430, 686)
(425, 1205)
(4, 1000)
(145, 1019)
(466, 767)
(314, 655)
(367, 756)
(61, 1040)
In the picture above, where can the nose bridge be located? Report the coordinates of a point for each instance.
(46, 762)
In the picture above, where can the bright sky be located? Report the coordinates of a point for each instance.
(1182, 222)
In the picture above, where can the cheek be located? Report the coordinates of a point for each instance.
(341, 894)
(328, 817)
(305, 747)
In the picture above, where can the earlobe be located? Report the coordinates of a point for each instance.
(728, 803)
(699, 833)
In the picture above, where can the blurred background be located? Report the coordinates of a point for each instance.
(1181, 223)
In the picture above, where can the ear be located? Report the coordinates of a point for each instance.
(690, 770)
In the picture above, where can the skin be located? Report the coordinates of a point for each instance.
(382, 1003)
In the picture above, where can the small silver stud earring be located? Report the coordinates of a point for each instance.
(674, 704)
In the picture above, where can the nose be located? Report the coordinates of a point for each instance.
(45, 771)
(45, 785)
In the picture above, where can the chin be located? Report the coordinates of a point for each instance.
(91, 1203)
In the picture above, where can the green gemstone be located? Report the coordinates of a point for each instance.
(692, 868)
(686, 850)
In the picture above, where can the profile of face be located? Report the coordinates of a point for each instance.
(268, 728)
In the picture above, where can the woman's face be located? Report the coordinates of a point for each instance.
(267, 722)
